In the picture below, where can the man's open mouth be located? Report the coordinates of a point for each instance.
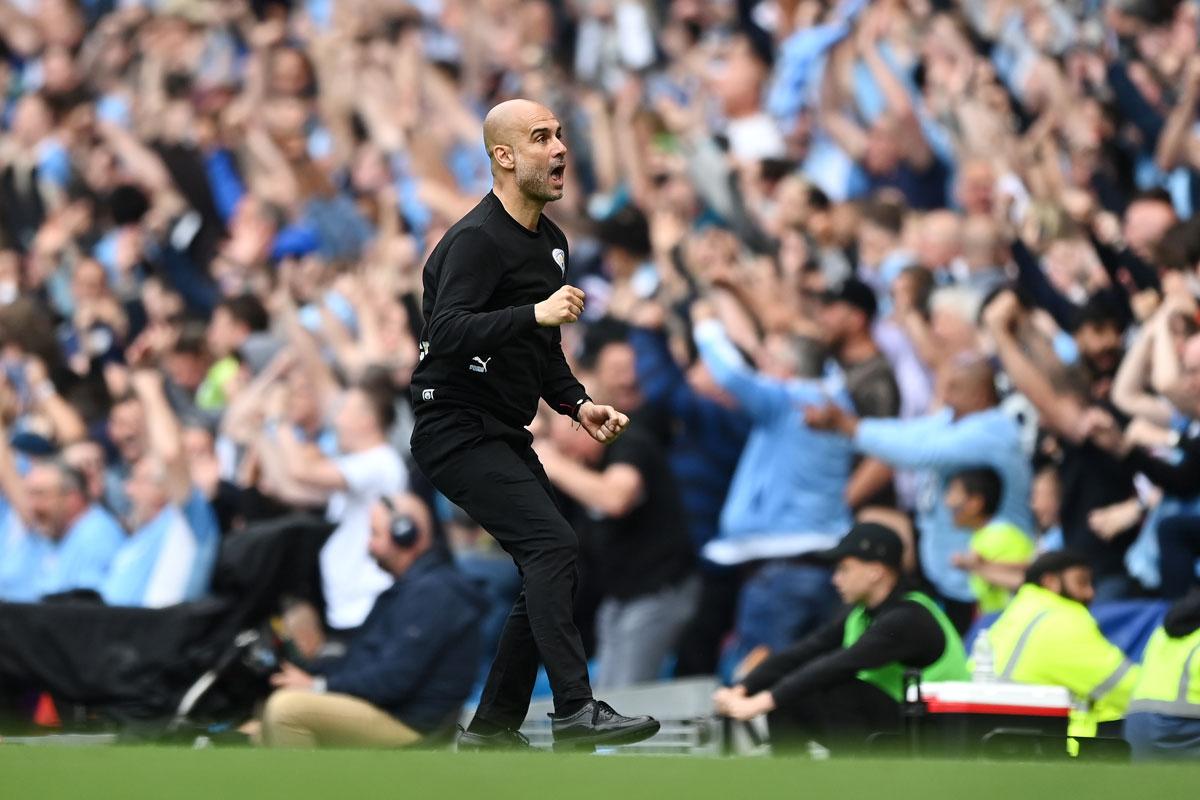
(556, 173)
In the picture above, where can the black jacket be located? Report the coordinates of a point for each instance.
(1182, 479)
(417, 654)
(482, 347)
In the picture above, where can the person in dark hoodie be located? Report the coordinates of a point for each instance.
(408, 669)
(1163, 721)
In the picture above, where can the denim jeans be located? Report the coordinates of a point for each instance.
(782, 602)
(1160, 737)
(497, 575)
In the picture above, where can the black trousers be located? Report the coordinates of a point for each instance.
(699, 651)
(490, 471)
(839, 717)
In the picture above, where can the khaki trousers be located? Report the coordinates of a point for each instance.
(295, 718)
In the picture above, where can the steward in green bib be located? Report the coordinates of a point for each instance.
(845, 681)
(1047, 636)
(1164, 714)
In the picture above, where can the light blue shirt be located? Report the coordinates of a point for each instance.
(786, 497)
(115, 496)
(940, 446)
(168, 560)
(33, 566)
(20, 551)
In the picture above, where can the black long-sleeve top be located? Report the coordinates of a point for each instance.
(1033, 279)
(481, 346)
(901, 630)
(1134, 106)
(1181, 479)
(1114, 261)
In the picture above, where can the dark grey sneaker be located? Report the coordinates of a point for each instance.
(598, 724)
(501, 740)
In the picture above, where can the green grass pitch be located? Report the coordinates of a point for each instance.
(132, 773)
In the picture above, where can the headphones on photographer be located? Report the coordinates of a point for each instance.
(401, 526)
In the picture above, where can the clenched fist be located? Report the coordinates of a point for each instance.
(560, 308)
(603, 423)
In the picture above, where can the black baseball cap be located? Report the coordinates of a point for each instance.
(868, 541)
(854, 292)
(1054, 562)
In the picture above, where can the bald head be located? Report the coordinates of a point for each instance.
(976, 369)
(528, 157)
(940, 239)
(507, 121)
(512, 122)
(969, 384)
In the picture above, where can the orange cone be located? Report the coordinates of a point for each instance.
(46, 715)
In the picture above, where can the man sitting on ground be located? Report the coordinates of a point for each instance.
(408, 669)
(845, 681)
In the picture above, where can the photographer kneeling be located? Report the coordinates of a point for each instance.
(408, 669)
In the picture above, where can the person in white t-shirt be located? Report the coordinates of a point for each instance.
(366, 468)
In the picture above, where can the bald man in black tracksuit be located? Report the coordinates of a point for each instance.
(495, 295)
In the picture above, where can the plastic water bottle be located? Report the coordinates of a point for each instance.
(982, 659)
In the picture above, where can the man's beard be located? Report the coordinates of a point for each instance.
(534, 182)
(1066, 593)
(1103, 364)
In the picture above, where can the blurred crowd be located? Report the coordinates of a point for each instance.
(925, 263)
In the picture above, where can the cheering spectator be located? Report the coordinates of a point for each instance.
(1092, 479)
(846, 316)
(170, 555)
(704, 453)
(365, 469)
(55, 538)
(645, 556)
(237, 323)
(127, 434)
(970, 431)
(786, 500)
(87, 457)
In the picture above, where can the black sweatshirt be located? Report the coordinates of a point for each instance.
(481, 346)
(900, 630)
(1181, 479)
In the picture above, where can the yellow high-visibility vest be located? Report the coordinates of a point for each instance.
(1170, 682)
(1045, 638)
